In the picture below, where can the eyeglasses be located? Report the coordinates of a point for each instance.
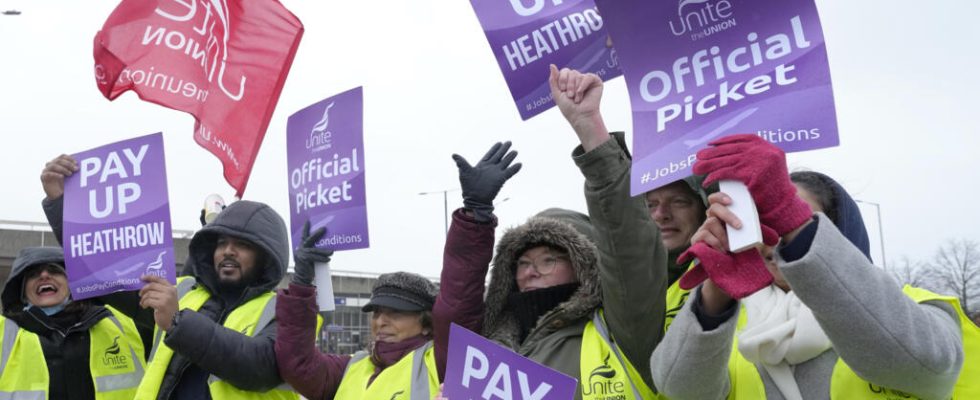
(544, 265)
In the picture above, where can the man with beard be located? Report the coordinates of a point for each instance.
(215, 330)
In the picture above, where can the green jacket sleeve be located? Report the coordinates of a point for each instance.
(632, 258)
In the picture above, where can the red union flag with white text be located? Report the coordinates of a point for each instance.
(224, 61)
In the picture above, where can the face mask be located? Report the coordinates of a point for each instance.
(49, 311)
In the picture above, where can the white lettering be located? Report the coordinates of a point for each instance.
(472, 371)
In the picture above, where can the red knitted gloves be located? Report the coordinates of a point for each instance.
(762, 167)
(738, 274)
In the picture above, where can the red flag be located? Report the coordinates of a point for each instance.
(224, 61)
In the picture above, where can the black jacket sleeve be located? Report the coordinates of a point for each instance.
(54, 211)
(126, 302)
(248, 363)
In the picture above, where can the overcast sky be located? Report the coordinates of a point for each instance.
(905, 84)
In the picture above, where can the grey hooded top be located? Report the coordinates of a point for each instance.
(201, 345)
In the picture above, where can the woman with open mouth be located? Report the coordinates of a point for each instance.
(56, 348)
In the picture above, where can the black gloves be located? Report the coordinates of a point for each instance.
(481, 183)
(307, 254)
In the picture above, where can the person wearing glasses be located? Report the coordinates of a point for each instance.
(550, 299)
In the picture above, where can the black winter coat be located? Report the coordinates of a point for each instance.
(202, 346)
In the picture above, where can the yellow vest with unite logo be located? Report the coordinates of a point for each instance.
(115, 360)
(606, 374)
(249, 319)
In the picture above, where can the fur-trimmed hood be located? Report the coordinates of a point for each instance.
(564, 229)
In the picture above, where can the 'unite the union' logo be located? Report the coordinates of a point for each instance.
(702, 18)
(156, 267)
(114, 348)
(604, 385)
(319, 135)
(112, 359)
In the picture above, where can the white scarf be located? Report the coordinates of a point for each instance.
(780, 333)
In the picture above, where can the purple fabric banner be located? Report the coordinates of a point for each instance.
(528, 35)
(477, 368)
(325, 156)
(117, 218)
(698, 70)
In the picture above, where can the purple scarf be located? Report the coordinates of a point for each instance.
(384, 354)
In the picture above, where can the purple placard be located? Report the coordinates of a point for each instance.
(477, 368)
(117, 218)
(325, 156)
(528, 35)
(698, 70)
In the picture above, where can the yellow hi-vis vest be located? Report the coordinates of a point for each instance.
(249, 319)
(115, 360)
(676, 297)
(742, 373)
(414, 377)
(845, 384)
(601, 379)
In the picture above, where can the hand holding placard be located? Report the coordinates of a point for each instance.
(749, 234)
(313, 266)
(116, 216)
(325, 156)
(54, 173)
(738, 274)
(762, 167)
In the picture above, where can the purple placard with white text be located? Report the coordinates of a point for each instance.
(117, 218)
(698, 70)
(477, 368)
(325, 156)
(528, 35)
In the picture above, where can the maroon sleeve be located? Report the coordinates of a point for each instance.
(466, 259)
(313, 374)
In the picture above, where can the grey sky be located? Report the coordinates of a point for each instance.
(904, 76)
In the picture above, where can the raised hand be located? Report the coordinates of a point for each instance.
(307, 255)
(54, 173)
(737, 274)
(161, 296)
(481, 183)
(761, 166)
(578, 95)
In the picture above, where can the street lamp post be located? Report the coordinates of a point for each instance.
(881, 232)
(445, 205)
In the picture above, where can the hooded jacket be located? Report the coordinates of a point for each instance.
(201, 345)
(882, 334)
(617, 256)
(64, 336)
(558, 228)
(844, 213)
